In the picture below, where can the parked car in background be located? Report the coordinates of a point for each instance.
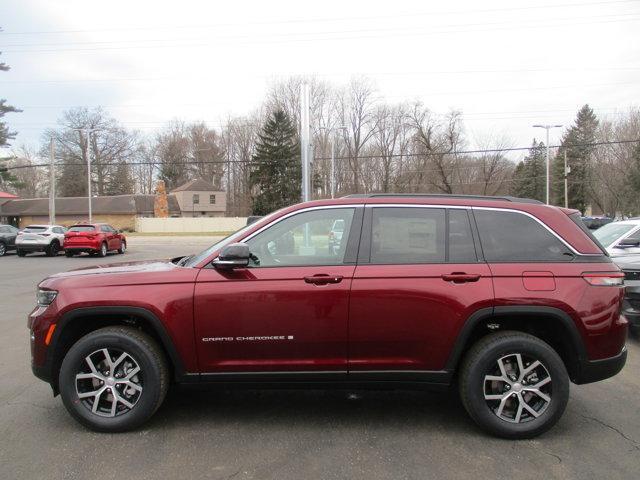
(595, 222)
(335, 235)
(94, 239)
(620, 238)
(630, 266)
(508, 298)
(40, 238)
(8, 234)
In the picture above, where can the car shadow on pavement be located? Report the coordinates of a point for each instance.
(313, 408)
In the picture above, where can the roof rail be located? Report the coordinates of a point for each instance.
(505, 198)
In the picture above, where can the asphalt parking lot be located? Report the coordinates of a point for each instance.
(291, 434)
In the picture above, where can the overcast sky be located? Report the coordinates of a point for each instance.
(504, 64)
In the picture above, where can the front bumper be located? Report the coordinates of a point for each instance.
(590, 371)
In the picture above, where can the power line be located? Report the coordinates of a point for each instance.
(344, 35)
(322, 20)
(363, 157)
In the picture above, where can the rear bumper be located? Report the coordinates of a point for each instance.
(596, 370)
(32, 247)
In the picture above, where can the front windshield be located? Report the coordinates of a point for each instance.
(196, 259)
(611, 232)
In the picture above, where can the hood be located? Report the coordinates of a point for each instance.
(627, 262)
(119, 268)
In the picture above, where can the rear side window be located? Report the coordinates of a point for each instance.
(82, 228)
(515, 237)
(408, 235)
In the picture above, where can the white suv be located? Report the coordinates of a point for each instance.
(40, 238)
(620, 238)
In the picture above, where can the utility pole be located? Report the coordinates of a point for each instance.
(52, 184)
(547, 128)
(304, 141)
(567, 171)
(89, 131)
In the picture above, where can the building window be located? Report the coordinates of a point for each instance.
(196, 199)
(212, 199)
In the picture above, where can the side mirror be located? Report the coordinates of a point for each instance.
(628, 243)
(234, 255)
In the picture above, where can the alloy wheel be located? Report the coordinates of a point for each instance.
(109, 382)
(3, 249)
(518, 388)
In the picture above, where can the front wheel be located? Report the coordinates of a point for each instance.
(514, 385)
(21, 253)
(113, 379)
(123, 247)
(3, 249)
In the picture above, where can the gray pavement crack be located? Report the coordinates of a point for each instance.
(635, 444)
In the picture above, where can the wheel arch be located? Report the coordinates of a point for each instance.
(78, 322)
(550, 324)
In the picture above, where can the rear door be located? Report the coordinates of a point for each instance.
(418, 279)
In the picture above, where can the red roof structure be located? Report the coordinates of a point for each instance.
(7, 195)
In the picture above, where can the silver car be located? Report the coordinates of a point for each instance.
(40, 238)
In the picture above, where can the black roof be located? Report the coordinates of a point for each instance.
(505, 198)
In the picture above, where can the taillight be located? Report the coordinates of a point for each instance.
(604, 279)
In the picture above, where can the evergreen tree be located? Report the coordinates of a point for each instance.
(5, 135)
(276, 177)
(529, 176)
(576, 142)
(120, 181)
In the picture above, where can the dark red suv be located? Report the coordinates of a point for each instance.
(94, 239)
(508, 299)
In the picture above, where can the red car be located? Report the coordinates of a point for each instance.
(509, 299)
(94, 239)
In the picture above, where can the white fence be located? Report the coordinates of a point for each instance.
(189, 225)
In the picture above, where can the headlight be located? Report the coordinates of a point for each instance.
(45, 297)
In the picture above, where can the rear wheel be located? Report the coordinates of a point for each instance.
(514, 385)
(103, 250)
(113, 379)
(53, 249)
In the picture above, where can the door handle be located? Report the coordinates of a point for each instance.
(460, 277)
(323, 279)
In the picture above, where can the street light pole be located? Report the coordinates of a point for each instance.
(547, 128)
(332, 134)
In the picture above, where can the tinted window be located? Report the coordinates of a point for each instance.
(408, 235)
(461, 246)
(82, 228)
(514, 237)
(303, 239)
(33, 229)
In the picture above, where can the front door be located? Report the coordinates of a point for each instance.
(287, 312)
(418, 279)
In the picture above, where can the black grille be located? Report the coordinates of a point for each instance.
(631, 274)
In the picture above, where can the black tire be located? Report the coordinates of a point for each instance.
(482, 359)
(21, 253)
(103, 250)
(69, 253)
(123, 248)
(154, 377)
(3, 249)
(53, 249)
